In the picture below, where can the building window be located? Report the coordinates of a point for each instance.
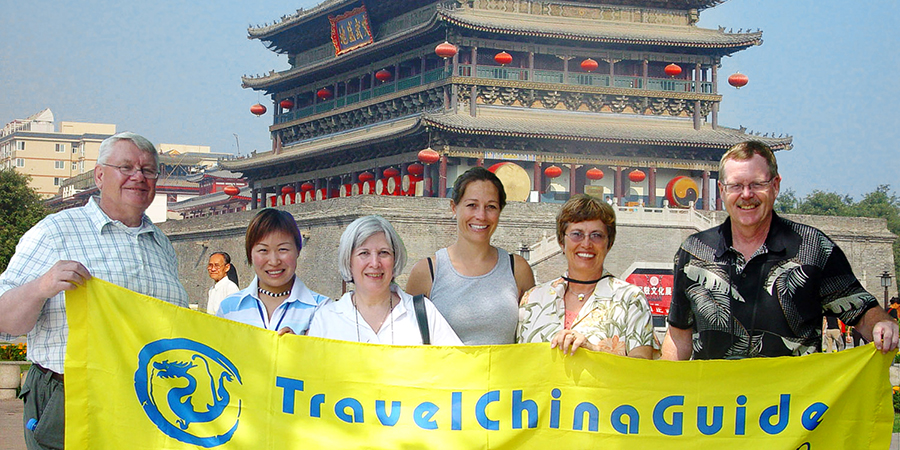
(20, 162)
(59, 164)
(57, 181)
(74, 165)
(60, 148)
(20, 145)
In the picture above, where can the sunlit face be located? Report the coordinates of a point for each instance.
(372, 265)
(478, 211)
(749, 209)
(274, 260)
(125, 198)
(585, 258)
(217, 267)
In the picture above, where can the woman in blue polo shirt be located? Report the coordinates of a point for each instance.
(276, 299)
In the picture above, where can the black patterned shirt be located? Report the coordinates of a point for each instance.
(769, 305)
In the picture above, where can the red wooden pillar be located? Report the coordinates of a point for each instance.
(651, 187)
(537, 177)
(442, 178)
(573, 188)
(705, 189)
(617, 186)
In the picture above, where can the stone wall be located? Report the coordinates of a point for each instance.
(426, 224)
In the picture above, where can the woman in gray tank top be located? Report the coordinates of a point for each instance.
(473, 284)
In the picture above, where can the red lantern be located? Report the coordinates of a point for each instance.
(636, 176)
(673, 70)
(287, 104)
(390, 172)
(503, 58)
(383, 75)
(258, 109)
(307, 187)
(589, 65)
(738, 80)
(594, 174)
(366, 176)
(324, 94)
(429, 156)
(287, 189)
(415, 169)
(552, 172)
(231, 191)
(445, 50)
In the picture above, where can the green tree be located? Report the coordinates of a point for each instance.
(21, 208)
(786, 202)
(826, 204)
(880, 203)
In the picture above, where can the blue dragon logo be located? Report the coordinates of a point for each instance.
(183, 386)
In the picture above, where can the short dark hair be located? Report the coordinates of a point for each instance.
(232, 272)
(581, 208)
(267, 221)
(744, 151)
(477, 173)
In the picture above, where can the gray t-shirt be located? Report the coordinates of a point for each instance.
(482, 310)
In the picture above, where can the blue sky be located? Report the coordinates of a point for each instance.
(170, 70)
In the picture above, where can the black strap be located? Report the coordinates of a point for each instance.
(422, 318)
(431, 268)
(512, 264)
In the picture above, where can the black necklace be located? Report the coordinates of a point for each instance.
(572, 280)
(272, 294)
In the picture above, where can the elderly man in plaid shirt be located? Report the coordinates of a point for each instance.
(110, 238)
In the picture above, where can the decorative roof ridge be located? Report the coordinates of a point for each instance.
(483, 127)
(468, 19)
(261, 81)
(289, 20)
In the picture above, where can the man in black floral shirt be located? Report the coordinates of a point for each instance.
(759, 285)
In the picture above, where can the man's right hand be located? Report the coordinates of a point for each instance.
(63, 276)
(21, 306)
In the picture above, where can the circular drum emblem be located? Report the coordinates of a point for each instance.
(185, 389)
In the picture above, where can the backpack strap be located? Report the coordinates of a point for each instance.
(431, 268)
(512, 264)
(422, 318)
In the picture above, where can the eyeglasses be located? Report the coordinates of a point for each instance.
(215, 266)
(127, 170)
(595, 237)
(756, 186)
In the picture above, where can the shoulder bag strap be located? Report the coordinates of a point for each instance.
(430, 268)
(422, 318)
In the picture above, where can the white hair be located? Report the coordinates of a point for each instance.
(357, 233)
(139, 141)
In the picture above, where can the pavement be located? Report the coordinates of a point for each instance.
(11, 428)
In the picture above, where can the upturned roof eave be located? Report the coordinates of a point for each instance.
(273, 79)
(704, 137)
(319, 146)
(459, 20)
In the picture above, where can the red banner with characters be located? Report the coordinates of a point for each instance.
(657, 287)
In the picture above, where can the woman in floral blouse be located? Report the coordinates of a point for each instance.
(587, 307)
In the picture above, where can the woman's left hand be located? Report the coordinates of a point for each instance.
(571, 340)
(286, 330)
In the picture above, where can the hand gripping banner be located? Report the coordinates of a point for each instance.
(143, 374)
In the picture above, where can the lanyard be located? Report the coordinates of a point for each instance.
(262, 315)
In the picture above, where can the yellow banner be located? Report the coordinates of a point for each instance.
(143, 374)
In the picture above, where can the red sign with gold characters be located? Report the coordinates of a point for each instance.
(657, 287)
(350, 30)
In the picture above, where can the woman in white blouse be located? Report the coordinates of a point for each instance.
(377, 311)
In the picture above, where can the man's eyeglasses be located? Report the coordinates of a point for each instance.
(756, 186)
(215, 266)
(595, 237)
(127, 170)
